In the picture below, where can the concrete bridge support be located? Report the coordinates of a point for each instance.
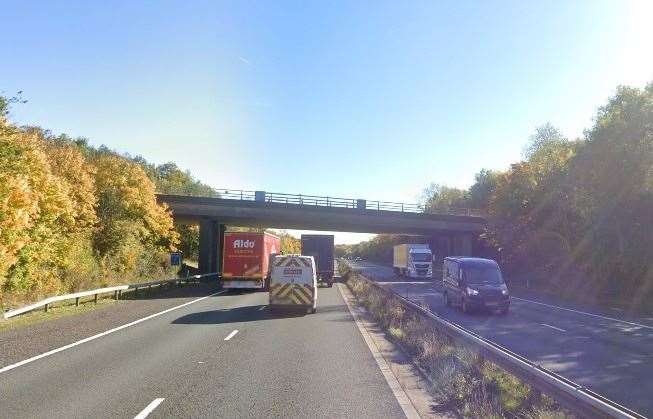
(462, 245)
(211, 240)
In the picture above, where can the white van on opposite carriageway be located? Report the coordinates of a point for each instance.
(293, 282)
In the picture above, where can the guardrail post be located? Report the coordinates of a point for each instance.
(120, 294)
(115, 295)
(76, 301)
(136, 291)
(95, 299)
(45, 308)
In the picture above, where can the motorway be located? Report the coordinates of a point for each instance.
(226, 355)
(610, 355)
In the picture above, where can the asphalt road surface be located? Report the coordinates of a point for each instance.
(610, 355)
(225, 356)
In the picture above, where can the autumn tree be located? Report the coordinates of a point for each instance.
(132, 224)
(290, 245)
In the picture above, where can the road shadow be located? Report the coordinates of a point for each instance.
(250, 314)
(237, 315)
(171, 291)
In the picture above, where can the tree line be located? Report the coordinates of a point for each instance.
(73, 216)
(574, 215)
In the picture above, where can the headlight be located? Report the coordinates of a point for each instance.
(472, 291)
(504, 290)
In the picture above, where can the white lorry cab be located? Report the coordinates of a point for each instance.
(293, 282)
(413, 260)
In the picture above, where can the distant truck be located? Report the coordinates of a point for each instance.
(246, 259)
(413, 260)
(321, 247)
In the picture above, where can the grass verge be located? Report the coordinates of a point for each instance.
(462, 381)
(55, 311)
(86, 304)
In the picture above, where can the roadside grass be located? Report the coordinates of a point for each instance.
(462, 381)
(67, 308)
(56, 311)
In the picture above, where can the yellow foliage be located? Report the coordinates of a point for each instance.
(290, 245)
(72, 217)
(125, 193)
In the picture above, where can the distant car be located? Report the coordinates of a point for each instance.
(357, 259)
(474, 283)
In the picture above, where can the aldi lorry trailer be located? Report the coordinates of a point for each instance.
(413, 260)
(321, 247)
(246, 259)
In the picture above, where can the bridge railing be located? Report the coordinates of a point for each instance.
(116, 290)
(327, 201)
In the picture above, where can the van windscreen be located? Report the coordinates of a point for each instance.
(482, 275)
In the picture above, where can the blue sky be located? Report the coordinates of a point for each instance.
(352, 99)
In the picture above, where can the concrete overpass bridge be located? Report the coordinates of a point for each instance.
(449, 232)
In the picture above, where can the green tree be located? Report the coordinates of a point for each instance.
(483, 188)
(438, 197)
(189, 240)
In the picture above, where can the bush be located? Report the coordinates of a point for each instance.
(462, 380)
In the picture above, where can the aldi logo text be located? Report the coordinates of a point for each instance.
(244, 244)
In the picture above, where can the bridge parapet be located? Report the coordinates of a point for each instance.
(335, 202)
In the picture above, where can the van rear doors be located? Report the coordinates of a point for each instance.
(293, 282)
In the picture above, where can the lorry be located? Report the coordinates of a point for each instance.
(246, 259)
(293, 283)
(413, 260)
(321, 247)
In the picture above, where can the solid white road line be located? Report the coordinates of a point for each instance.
(230, 335)
(149, 409)
(553, 327)
(584, 313)
(261, 308)
(393, 383)
(99, 335)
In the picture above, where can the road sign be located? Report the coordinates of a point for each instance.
(175, 258)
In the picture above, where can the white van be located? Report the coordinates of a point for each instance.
(293, 282)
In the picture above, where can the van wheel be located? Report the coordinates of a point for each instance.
(464, 306)
(447, 302)
(504, 311)
(313, 310)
